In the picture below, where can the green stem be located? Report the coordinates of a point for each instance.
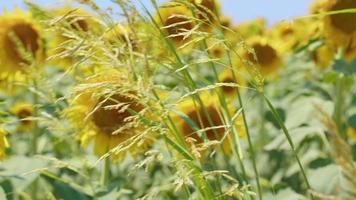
(250, 145)
(251, 149)
(338, 108)
(105, 173)
(289, 139)
(203, 185)
(235, 143)
(35, 123)
(261, 128)
(34, 139)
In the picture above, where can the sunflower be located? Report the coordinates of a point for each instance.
(267, 59)
(207, 9)
(21, 44)
(68, 21)
(10, 82)
(350, 50)
(107, 111)
(324, 55)
(340, 28)
(216, 48)
(23, 111)
(351, 132)
(317, 7)
(121, 42)
(226, 76)
(176, 20)
(4, 144)
(226, 22)
(122, 34)
(251, 28)
(286, 36)
(212, 126)
(217, 51)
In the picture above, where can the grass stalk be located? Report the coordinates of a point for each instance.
(250, 146)
(35, 129)
(203, 186)
(223, 102)
(105, 173)
(261, 128)
(290, 141)
(35, 134)
(338, 106)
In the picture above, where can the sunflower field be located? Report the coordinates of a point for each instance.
(176, 102)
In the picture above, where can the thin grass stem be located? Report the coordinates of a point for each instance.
(290, 141)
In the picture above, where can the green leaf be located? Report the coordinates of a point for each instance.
(2, 194)
(8, 188)
(303, 111)
(269, 117)
(325, 179)
(346, 68)
(352, 121)
(65, 192)
(285, 194)
(21, 170)
(306, 158)
(54, 179)
(298, 135)
(330, 76)
(111, 195)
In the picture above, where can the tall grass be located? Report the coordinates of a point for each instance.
(253, 164)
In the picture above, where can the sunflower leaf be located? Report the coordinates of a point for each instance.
(346, 68)
(2, 194)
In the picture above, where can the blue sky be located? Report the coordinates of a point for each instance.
(238, 10)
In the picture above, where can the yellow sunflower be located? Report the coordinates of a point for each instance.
(176, 20)
(216, 48)
(10, 82)
(287, 35)
(251, 28)
(324, 55)
(351, 132)
(232, 38)
(226, 76)
(68, 20)
(212, 126)
(105, 109)
(340, 28)
(23, 111)
(313, 29)
(122, 34)
(21, 43)
(317, 7)
(267, 55)
(121, 42)
(226, 22)
(4, 144)
(350, 50)
(207, 9)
